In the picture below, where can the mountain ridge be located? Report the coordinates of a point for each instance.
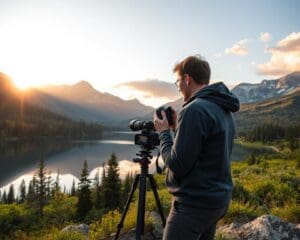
(266, 89)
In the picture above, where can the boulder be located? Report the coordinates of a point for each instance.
(265, 227)
(82, 228)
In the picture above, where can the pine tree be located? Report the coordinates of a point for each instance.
(98, 200)
(4, 197)
(73, 189)
(41, 187)
(56, 186)
(22, 190)
(84, 204)
(11, 195)
(31, 195)
(48, 186)
(111, 186)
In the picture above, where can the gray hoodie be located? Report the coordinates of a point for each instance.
(198, 161)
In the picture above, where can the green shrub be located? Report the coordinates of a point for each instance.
(69, 236)
(60, 210)
(94, 215)
(12, 217)
(239, 193)
(289, 212)
(241, 212)
(164, 197)
(105, 226)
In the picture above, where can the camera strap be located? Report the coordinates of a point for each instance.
(159, 169)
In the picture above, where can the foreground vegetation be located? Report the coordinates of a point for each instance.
(263, 184)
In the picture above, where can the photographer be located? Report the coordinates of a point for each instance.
(198, 161)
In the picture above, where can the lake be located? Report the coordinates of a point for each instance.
(19, 160)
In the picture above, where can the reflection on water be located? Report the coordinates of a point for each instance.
(19, 160)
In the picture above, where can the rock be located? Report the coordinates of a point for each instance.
(82, 228)
(158, 229)
(265, 227)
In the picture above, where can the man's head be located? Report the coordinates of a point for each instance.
(192, 73)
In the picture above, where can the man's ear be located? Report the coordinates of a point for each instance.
(187, 79)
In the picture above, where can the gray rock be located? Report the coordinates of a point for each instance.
(265, 227)
(82, 228)
(158, 229)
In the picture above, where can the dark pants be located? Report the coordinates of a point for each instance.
(189, 223)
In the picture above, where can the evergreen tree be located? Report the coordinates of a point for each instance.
(41, 187)
(111, 186)
(73, 189)
(11, 195)
(98, 200)
(48, 186)
(31, 195)
(56, 186)
(22, 190)
(84, 204)
(4, 197)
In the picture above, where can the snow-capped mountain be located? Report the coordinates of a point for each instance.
(248, 93)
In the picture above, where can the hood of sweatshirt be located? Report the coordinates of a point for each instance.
(219, 94)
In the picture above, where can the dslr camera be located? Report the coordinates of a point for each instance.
(149, 139)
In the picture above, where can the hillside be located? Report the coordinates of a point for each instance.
(283, 110)
(82, 101)
(19, 118)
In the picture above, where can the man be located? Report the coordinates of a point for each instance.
(198, 161)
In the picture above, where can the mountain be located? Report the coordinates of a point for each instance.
(248, 93)
(19, 118)
(282, 110)
(82, 101)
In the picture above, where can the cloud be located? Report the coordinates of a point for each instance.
(285, 57)
(152, 88)
(238, 48)
(265, 37)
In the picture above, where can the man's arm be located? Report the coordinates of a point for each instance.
(181, 156)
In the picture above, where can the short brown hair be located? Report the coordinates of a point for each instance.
(195, 67)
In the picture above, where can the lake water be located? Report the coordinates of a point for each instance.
(19, 160)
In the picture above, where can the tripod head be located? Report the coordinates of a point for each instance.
(144, 157)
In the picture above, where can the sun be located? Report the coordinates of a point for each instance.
(22, 85)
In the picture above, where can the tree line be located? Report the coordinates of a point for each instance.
(268, 132)
(21, 120)
(93, 197)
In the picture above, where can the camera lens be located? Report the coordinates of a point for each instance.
(136, 125)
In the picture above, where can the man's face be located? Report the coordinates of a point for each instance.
(183, 87)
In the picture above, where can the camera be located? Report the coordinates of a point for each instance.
(149, 139)
(169, 114)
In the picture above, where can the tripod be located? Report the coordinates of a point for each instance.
(141, 178)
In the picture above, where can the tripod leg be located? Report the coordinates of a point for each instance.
(141, 207)
(160, 209)
(133, 188)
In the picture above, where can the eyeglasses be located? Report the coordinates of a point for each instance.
(176, 83)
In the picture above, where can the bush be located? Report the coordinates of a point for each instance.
(241, 212)
(239, 193)
(94, 215)
(69, 236)
(289, 212)
(12, 217)
(105, 226)
(60, 210)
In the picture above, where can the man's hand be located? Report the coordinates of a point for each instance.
(174, 118)
(160, 124)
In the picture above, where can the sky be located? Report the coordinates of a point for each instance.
(129, 48)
